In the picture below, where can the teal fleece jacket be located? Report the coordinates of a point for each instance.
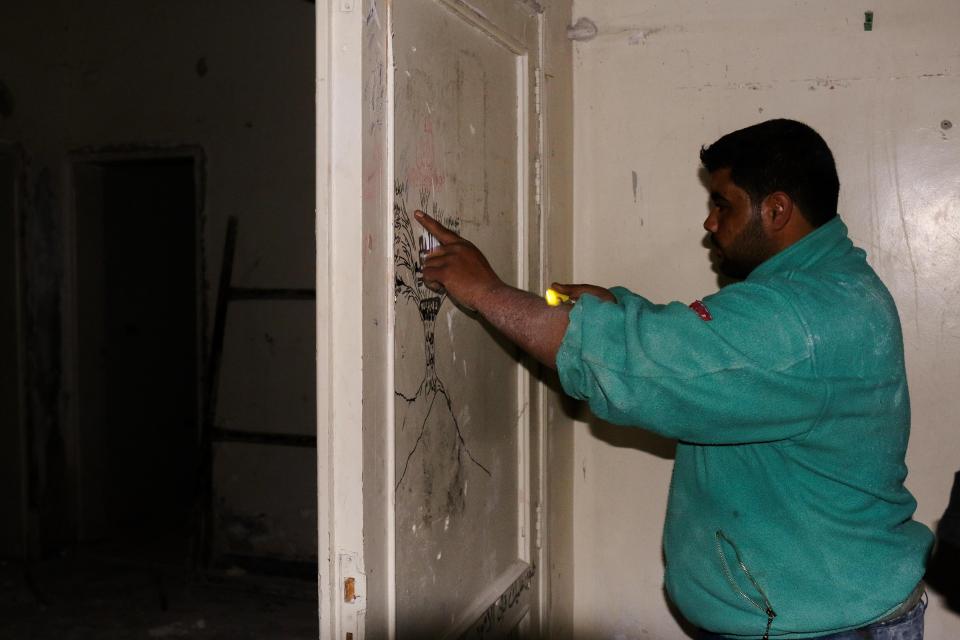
(788, 396)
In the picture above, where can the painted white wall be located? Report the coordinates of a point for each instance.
(663, 78)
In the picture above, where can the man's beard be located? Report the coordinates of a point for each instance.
(745, 252)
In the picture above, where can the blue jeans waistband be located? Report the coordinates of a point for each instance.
(907, 626)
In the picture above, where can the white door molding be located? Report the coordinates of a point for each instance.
(339, 343)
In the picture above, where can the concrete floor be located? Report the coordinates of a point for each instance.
(92, 595)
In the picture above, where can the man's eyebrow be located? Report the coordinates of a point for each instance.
(719, 199)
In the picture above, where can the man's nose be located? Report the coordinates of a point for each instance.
(710, 224)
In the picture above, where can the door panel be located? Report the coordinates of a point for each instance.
(461, 149)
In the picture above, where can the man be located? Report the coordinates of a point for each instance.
(787, 392)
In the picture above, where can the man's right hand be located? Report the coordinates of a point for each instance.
(577, 290)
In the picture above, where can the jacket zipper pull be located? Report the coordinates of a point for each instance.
(770, 616)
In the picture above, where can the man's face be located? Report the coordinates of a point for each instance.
(736, 227)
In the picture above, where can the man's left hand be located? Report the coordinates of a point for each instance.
(457, 266)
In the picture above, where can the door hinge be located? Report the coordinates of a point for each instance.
(353, 606)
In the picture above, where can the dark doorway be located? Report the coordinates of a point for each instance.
(138, 349)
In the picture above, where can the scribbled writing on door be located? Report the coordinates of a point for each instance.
(434, 469)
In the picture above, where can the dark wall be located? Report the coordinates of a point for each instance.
(12, 483)
(235, 79)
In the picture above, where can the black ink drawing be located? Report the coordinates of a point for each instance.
(496, 612)
(439, 439)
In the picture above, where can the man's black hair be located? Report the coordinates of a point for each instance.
(780, 155)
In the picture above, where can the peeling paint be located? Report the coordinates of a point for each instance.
(583, 30)
(639, 36)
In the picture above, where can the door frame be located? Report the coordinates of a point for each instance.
(340, 255)
(71, 306)
(339, 338)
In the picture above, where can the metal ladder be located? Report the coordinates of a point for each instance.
(210, 432)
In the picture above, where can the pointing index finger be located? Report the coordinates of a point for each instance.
(438, 231)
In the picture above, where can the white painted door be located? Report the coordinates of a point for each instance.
(461, 149)
(435, 534)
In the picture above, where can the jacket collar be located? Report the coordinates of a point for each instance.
(829, 238)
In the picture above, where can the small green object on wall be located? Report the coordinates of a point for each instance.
(868, 20)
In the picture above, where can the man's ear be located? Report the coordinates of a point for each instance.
(776, 210)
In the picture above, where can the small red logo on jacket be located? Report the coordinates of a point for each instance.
(701, 310)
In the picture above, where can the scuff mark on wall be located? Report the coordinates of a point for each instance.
(813, 84)
(639, 36)
(830, 83)
(731, 86)
(895, 170)
(585, 30)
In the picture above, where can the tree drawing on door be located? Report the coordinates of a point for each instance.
(434, 469)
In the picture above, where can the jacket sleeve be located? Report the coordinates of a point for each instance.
(746, 374)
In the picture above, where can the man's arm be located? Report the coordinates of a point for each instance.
(524, 318)
(527, 321)
(743, 375)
